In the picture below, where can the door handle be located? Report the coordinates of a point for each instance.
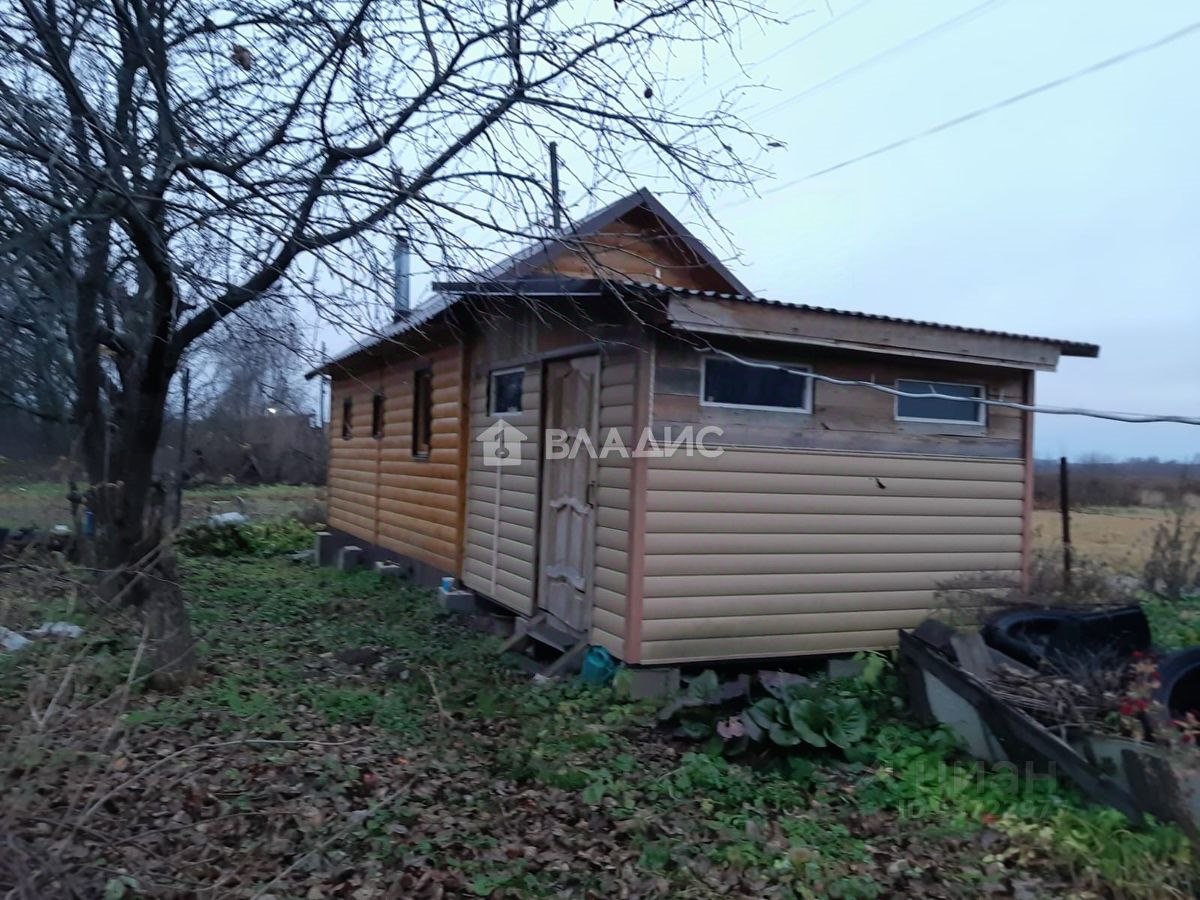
(589, 495)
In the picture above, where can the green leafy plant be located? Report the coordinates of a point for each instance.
(817, 721)
(270, 537)
(798, 712)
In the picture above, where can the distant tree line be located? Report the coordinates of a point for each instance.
(1100, 481)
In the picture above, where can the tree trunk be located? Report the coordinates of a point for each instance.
(139, 571)
(172, 649)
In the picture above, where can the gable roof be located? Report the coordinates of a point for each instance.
(542, 252)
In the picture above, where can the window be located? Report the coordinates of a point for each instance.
(726, 382)
(422, 413)
(347, 412)
(935, 409)
(506, 389)
(377, 416)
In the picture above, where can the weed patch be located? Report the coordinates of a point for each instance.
(419, 764)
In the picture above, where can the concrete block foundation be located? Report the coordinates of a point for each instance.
(653, 683)
(459, 601)
(349, 558)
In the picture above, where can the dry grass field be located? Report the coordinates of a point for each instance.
(44, 504)
(1119, 536)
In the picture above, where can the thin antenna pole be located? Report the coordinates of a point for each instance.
(555, 200)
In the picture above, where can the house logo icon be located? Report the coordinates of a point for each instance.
(501, 444)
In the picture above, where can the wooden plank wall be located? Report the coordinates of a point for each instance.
(761, 553)
(637, 247)
(377, 490)
(843, 417)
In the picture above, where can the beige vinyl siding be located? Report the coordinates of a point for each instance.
(760, 553)
(617, 385)
(498, 553)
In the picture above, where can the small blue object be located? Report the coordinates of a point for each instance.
(89, 523)
(598, 667)
(448, 583)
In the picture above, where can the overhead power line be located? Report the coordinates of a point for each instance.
(948, 24)
(990, 108)
(774, 54)
(1133, 418)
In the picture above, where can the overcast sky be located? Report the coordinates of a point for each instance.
(1073, 214)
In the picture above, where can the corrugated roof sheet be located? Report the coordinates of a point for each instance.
(574, 286)
(1068, 348)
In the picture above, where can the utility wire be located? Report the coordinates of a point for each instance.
(790, 45)
(1134, 418)
(948, 24)
(990, 108)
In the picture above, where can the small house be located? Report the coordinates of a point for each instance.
(610, 435)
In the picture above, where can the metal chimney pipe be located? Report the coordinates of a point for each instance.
(401, 276)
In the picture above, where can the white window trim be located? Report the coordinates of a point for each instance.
(981, 420)
(793, 367)
(492, 390)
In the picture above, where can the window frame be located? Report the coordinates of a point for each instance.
(492, 375)
(422, 414)
(347, 418)
(979, 422)
(378, 415)
(810, 389)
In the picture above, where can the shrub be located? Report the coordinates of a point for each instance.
(1173, 569)
(266, 538)
(969, 599)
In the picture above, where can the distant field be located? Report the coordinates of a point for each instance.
(1120, 537)
(44, 504)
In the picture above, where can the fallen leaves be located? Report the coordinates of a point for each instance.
(300, 770)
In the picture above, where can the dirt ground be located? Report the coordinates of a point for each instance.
(44, 504)
(1119, 536)
(345, 739)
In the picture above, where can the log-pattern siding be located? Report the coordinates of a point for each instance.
(377, 491)
(761, 553)
(354, 462)
(843, 417)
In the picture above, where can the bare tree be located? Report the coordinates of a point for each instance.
(176, 162)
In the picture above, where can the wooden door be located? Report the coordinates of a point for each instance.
(568, 515)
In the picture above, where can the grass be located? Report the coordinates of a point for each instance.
(440, 771)
(43, 504)
(1174, 625)
(1120, 537)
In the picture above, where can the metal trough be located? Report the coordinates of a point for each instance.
(1134, 777)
